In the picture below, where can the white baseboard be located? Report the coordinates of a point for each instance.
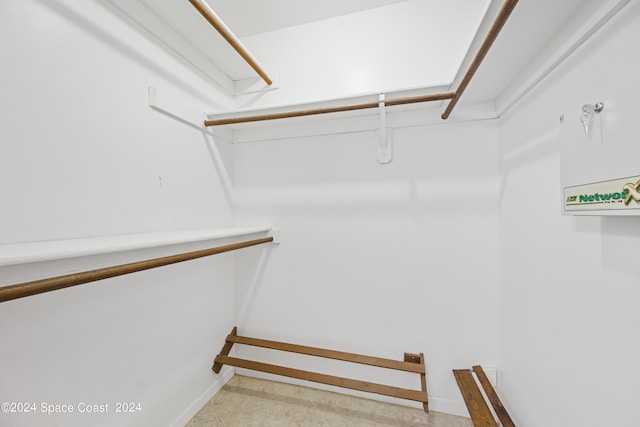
(446, 406)
(202, 400)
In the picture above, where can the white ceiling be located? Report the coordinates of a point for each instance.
(248, 17)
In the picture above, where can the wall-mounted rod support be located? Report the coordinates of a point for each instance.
(384, 153)
(300, 113)
(22, 290)
(226, 33)
(497, 26)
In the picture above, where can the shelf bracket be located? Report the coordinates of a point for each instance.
(160, 101)
(385, 151)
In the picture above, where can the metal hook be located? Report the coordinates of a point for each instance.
(587, 114)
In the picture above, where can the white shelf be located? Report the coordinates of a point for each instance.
(21, 253)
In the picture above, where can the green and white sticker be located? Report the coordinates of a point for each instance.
(617, 194)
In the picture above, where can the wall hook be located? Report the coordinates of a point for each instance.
(588, 111)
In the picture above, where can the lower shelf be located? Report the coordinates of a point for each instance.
(22, 253)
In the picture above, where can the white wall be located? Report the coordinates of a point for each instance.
(82, 152)
(83, 155)
(569, 286)
(376, 259)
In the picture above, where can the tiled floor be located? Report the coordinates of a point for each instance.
(245, 402)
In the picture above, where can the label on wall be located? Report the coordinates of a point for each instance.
(614, 195)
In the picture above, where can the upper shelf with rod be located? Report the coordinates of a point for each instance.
(215, 21)
(316, 54)
(191, 29)
(400, 48)
(452, 96)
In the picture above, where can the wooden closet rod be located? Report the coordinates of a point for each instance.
(299, 113)
(497, 26)
(22, 290)
(235, 43)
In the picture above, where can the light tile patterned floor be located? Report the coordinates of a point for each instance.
(246, 402)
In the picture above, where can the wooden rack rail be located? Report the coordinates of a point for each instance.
(481, 416)
(412, 363)
(454, 97)
(22, 290)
